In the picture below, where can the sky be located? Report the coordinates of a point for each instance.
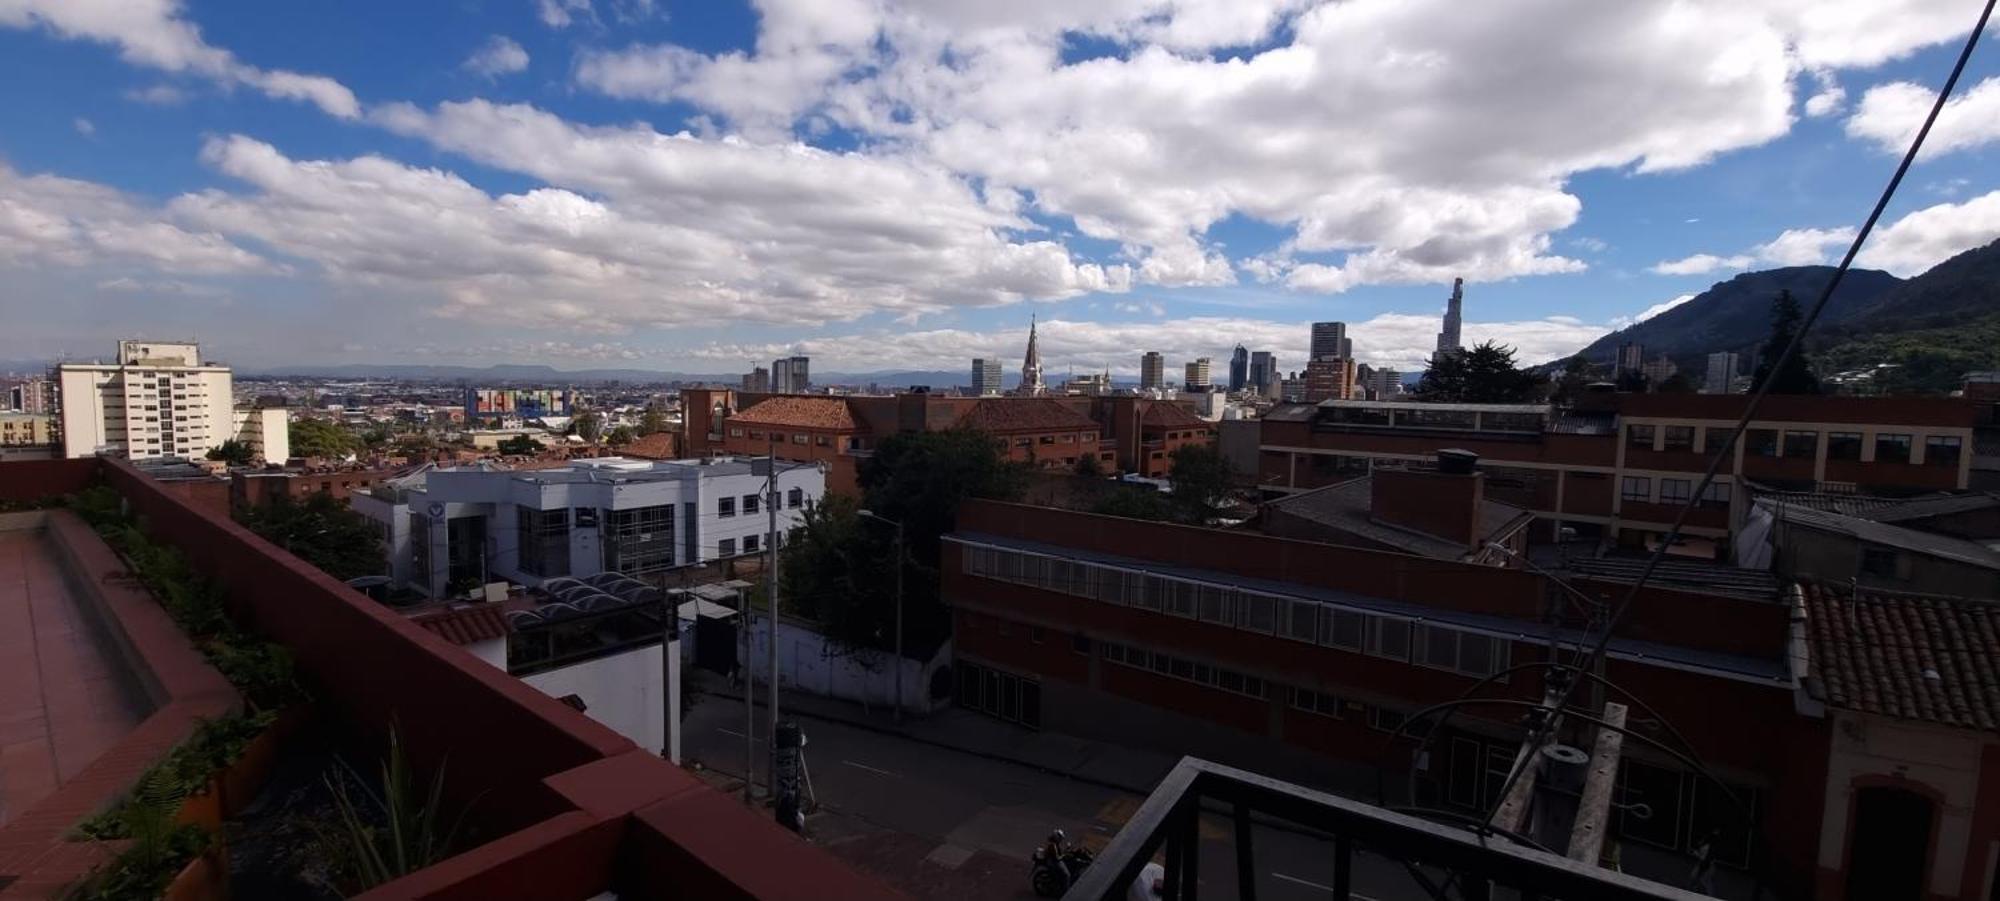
(902, 184)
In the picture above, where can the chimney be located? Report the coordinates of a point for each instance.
(1442, 501)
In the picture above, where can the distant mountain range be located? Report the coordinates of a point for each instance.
(1736, 314)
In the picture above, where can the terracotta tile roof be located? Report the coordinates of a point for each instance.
(795, 411)
(465, 625)
(657, 446)
(1877, 653)
(1022, 414)
(1167, 415)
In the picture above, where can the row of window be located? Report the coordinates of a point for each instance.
(1673, 491)
(726, 506)
(798, 438)
(1339, 708)
(1939, 450)
(1397, 638)
(1216, 677)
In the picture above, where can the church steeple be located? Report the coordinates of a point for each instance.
(1031, 367)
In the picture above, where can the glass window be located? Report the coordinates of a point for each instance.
(542, 537)
(1800, 444)
(1679, 438)
(1341, 628)
(1438, 647)
(1941, 450)
(1475, 654)
(749, 544)
(822, 441)
(1716, 496)
(725, 506)
(1675, 491)
(800, 438)
(749, 504)
(1303, 624)
(1637, 488)
(1843, 445)
(1391, 639)
(1639, 436)
(795, 498)
(1892, 448)
(1258, 613)
(1079, 643)
(1214, 605)
(1760, 443)
(726, 547)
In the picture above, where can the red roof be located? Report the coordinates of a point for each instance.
(657, 446)
(1168, 415)
(1000, 415)
(1919, 657)
(802, 412)
(466, 625)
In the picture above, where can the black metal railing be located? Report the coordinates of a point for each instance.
(1169, 821)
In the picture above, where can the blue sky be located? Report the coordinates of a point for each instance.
(695, 186)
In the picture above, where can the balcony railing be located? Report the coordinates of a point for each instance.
(1170, 820)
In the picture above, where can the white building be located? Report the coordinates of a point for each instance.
(156, 400)
(1721, 377)
(1197, 376)
(267, 430)
(467, 526)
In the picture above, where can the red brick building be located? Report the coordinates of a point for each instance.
(251, 488)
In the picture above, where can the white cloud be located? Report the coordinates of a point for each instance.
(500, 55)
(1590, 244)
(154, 34)
(1793, 247)
(1931, 235)
(560, 13)
(1650, 312)
(84, 126)
(48, 221)
(1702, 264)
(157, 95)
(1830, 97)
(1890, 114)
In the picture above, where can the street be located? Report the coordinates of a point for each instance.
(943, 823)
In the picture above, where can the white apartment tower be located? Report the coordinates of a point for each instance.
(1722, 367)
(157, 399)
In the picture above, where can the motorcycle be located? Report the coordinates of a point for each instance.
(1048, 879)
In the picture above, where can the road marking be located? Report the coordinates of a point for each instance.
(863, 766)
(730, 732)
(1311, 884)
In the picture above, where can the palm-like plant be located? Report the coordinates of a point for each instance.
(396, 832)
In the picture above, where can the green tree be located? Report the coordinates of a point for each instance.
(377, 438)
(839, 569)
(1201, 480)
(233, 452)
(520, 446)
(1134, 502)
(1089, 467)
(1577, 374)
(621, 435)
(321, 438)
(920, 478)
(1678, 383)
(321, 531)
(652, 421)
(1796, 377)
(588, 425)
(1485, 374)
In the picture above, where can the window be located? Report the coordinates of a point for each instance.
(1637, 488)
(1342, 629)
(726, 547)
(1675, 491)
(1760, 443)
(1717, 496)
(800, 438)
(1639, 437)
(1080, 643)
(795, 498)
(1391, 639)
(1385, 719)
(749, 544)
(1878, 561)
(1843, 445)
(1303, 623)
(1892, 448)
(735, 433)
(756, 435)
(1803, 445)
(822, 441)
(641, 540)
(543, 541)
(725, 506)
(1941, 450)
(1679, 438)
(1047, 439)
(749, 504)
(1257, 611)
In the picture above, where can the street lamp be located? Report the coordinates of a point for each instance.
(870, 514)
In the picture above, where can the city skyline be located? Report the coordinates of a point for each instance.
(166, 163)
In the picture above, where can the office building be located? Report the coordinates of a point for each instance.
(1330, 341)
(1291, 388)
(27, 430)
(30, 395)
(1152, 371)
(1239, 369)
(1722, 369)
(757, 380)
(1382, 384)
(1448, 341)
(985, 376)
(1659, 370)
(1197, 376)
(1263, 371)
(158, 399)
(791, 375)
(1329, 378)
(1631, 357)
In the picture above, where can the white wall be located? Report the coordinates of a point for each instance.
(1937, 758)
(809, 662)
(621, 691)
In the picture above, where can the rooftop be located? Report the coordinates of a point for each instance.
(1017, 414)
(1349, 506)
(620, 470)
(1918, 657)
(1943, 547)
(1162, 414)
(799, 411)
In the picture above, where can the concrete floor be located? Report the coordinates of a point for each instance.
(64, 696)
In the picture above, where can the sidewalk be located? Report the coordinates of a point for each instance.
(1098, 763)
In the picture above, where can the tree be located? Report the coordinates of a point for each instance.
(321, 531)
(520, 446)
(376, 438)
(233, 452)
(1201, 479)
(1139, 501)
(1796, 377)
(1678, 383)
(1632, 381)
(620, 435)
(588, 425)
(321, 438)
(1089, 467)
(1480, 375)
(920, 478)
(652, 421)
(1577, 374)
(839, 570)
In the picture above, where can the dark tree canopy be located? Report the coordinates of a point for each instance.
(652, 421)
(321, 531)
(1201, 480)
(1577, 374)
(321, 438)
(621, 435)
(588, 425)
(1484, 374)
(1678, 383)
(920, 478)
(233, 452)
(1796, 377)
(520, 446)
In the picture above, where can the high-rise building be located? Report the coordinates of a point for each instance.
(28, 396)
(1631, 357)
(1031, 367)
(1152, 371)
(985, 376)
(1197, 375)
(757, 380)
(158, 399)
(1381, 384)
(1722, 366)
(1454, 311)
(1291, 388)
(1239, 368)
(1331, 378)
(1329, 341)
(791, 375)
(1263, 371)
(1659, 370)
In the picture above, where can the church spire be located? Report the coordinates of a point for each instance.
(1031, 367)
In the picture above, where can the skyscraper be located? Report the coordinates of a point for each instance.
(1239, 368)
(1263, 371)
(1631, 357)
(1197, 375)
(757, 380)
(985, 376)
(1329, 341)
(1722, 366)
(1329, 378)
(1448, 340)
(1031, 367)
(1152, 371)
(790, 375)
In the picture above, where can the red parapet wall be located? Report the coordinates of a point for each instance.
(27, 481)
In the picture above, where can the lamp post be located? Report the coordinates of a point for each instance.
(870, 514)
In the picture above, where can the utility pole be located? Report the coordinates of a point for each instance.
(771, 589)
(749, 705)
